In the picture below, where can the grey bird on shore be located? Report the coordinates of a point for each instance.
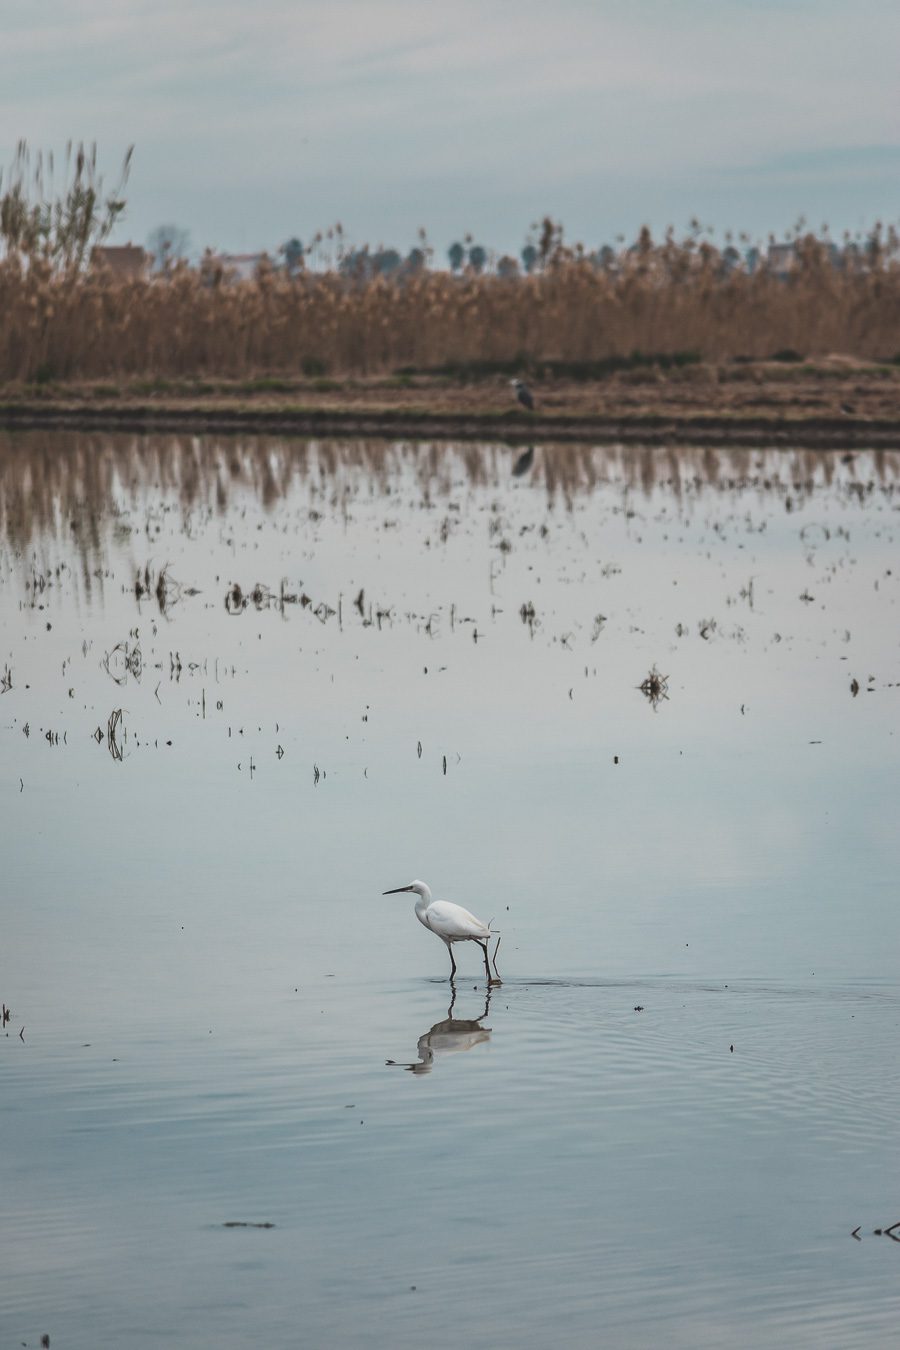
(523, 394)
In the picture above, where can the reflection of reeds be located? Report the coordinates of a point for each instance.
(67, 484)
(669, 298)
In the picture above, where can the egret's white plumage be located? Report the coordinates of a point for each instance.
(451, 923)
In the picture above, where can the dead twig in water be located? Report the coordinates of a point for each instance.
(112, 733)
(123, 661)
(655, 687)
(235, 602)
(494, 957)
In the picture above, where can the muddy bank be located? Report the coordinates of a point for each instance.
(815, 432)
(835, 403)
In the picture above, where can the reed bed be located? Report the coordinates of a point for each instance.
(661, 298)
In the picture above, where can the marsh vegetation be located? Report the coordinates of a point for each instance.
(673, 302)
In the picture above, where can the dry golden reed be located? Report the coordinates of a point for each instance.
(658, 298)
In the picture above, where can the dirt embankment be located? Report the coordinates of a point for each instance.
(836, 402)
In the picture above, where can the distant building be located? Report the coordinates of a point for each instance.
(239, 266)
(781, 258)
(123, 260)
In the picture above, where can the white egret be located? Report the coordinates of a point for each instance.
(523, 394)
(452, 924)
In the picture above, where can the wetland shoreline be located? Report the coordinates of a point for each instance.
(835, 404)
(809, 432)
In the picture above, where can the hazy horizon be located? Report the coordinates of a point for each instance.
(255, 125)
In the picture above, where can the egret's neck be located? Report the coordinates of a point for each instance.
(423, 899)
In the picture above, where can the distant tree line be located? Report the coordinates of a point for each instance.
(57, 213)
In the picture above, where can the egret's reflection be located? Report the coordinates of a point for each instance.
(450, 1036)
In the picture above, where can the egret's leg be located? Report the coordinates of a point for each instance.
(452, 963)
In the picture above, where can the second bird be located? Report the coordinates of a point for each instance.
(523, 394)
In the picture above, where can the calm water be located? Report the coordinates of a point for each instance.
(250, 685)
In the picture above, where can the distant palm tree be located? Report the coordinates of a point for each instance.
(292, 252)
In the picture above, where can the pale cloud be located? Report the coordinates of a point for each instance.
(252, 121)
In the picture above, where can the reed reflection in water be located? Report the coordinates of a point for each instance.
(68, 484)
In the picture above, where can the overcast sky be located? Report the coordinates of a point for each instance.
(256, 121)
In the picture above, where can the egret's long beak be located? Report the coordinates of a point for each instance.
(397, 890)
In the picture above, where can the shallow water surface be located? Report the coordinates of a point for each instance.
(249, 685)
